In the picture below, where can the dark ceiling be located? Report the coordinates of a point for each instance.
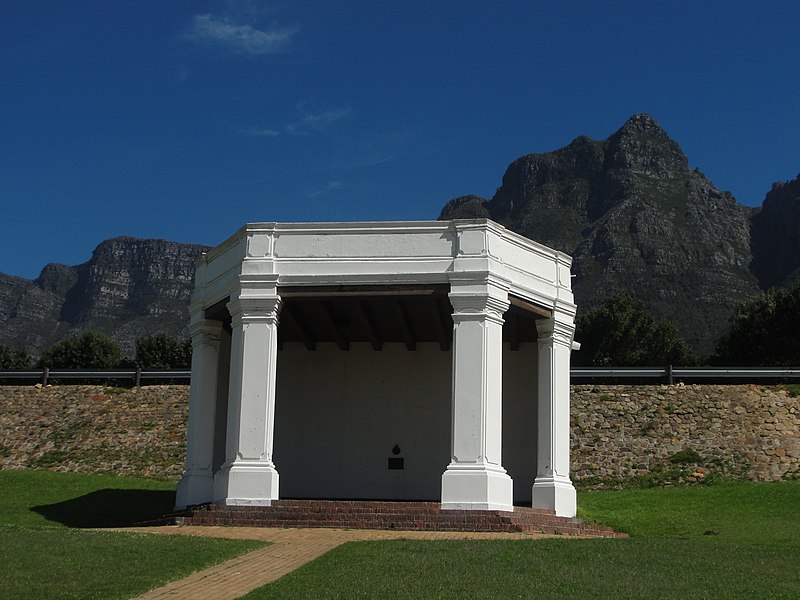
(377, 315)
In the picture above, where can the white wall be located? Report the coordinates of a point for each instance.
(520, 418)
(339, 414)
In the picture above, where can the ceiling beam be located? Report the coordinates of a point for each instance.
(439, 325)
(512, 323)
(219, 310)
(330, 320)
(368, 324)
(289, 310)
(530, 307)
(401, 313)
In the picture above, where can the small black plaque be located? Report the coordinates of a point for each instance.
(396, 464)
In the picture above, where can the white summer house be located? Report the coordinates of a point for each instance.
(392, 360)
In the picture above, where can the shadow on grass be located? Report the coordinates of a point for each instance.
(110, 508)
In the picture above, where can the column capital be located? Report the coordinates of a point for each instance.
(258, 284)
(255, 310)
(205, 332)
(555, 331)
(478, 295)
(477, 307)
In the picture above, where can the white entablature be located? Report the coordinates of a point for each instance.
(339, 284)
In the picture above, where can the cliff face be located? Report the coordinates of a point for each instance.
(776, 236)
(129, 288)
(629, 210)
(635, 218)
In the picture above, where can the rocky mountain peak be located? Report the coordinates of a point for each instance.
(641, 123)
(642, 147)
(635, 218)
(57, 278)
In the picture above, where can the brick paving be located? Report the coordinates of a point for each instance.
(289, 549)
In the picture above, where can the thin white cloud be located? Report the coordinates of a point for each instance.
(238, 38)
(264, 132)
(305, 125)
(318, 122)
(330, 186)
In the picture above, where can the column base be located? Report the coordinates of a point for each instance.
(477, 487)
(246, 484)
(555, 493)
(194, 488)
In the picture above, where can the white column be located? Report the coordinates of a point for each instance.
(475, 478)
(248, 475)
(197, 484)
(552, 488)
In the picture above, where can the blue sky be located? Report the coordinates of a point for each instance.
(184, 120)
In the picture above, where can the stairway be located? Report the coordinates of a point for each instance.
(363, 514)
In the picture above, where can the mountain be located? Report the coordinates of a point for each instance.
(775, 230)
(629, 210)
(635, 218)
(129, 288)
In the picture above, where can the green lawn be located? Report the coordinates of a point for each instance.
(727, 540)
(731, 540)
(46, 553)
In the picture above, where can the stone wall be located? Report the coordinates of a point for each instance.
(619, 431)
(623, 431)
(139, 431)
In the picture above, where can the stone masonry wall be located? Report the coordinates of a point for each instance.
(623, 431)
(138, 431)
(618, 431)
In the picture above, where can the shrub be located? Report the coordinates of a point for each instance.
(764, 332)
(91, 350)
(160, 351)
(621, 333)
(687, 456)
(14, 358)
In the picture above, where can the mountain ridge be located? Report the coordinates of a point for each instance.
(629, 209)
(636, 218)
(129, 287)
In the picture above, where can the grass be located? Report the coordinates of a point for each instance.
(47, 552)
(35, 498)
(736, 512)
(728, 540)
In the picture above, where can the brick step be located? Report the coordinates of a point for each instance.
(542, 520)
(412, 525)
(333, 507)
(424, 516)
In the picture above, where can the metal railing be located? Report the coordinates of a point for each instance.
(644, 375)
(670, 375)
(134, 375)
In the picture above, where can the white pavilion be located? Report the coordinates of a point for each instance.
(389, 360)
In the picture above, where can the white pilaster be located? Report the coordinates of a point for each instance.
(475, 478)
(552, 488)
(248, 475)
(197, 484)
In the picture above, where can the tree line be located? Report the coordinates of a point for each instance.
(763, 332)
(92, 350)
